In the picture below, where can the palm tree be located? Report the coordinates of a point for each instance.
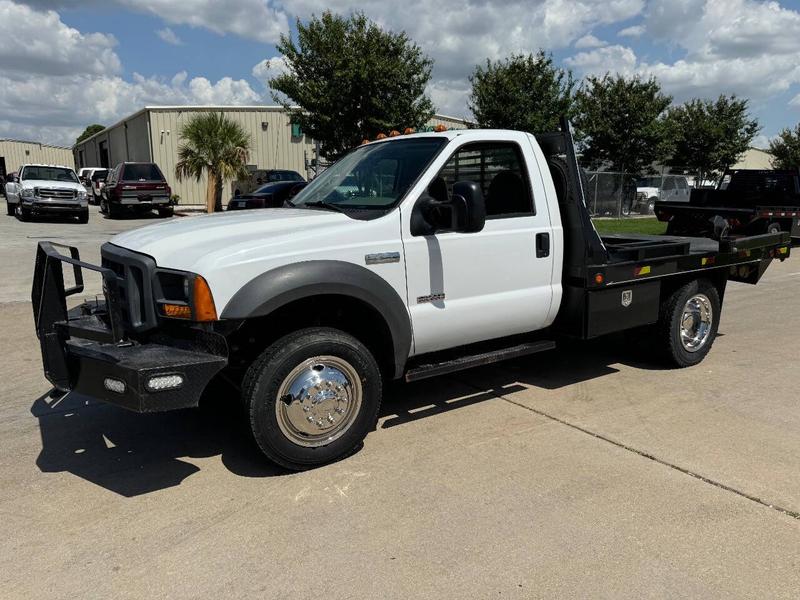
(214, 145)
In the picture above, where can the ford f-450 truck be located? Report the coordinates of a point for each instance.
(410, 257)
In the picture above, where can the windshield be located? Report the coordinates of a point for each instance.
(374, 176)
(49, 174)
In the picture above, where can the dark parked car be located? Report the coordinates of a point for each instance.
(136, 187)
(272, 195)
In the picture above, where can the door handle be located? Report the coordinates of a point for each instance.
(542, 245)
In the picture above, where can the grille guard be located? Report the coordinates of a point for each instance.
(49, 300)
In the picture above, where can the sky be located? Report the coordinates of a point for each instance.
(67, 63)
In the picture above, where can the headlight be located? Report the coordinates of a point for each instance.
(26, 193)
(183, 295)
(81, 194)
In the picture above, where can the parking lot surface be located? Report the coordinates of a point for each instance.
(584, 472)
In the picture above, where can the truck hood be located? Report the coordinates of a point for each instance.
(208, 242)
(64, 185)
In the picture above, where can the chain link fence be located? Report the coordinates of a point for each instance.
(618, 195)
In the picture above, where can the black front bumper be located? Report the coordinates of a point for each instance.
(86, 350)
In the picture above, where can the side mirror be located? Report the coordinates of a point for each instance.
(464, 211)
(469, 209)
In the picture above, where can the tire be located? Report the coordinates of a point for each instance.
(166, 212)
(682, 344)
(328, 357)
(774, 227)
(23, 214)
(83, 217)
(650, 207)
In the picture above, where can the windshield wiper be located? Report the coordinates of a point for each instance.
(323, 204)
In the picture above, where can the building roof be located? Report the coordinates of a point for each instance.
(34, 143)
(219, 107)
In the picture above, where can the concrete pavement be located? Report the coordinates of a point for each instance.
(584, 472)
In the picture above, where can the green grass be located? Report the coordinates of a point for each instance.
(649, 226)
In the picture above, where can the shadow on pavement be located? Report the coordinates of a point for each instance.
(133, 454)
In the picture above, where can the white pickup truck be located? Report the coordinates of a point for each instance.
(46, 189)
(454, 249)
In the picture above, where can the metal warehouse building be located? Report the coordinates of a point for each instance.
(153, 135)
(15, 153)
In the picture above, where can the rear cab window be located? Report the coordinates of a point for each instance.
(499, 169)
(141, 172)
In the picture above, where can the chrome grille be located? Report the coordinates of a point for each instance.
(60, 194)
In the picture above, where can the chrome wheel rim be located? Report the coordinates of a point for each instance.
(698, 316)
(318, 401)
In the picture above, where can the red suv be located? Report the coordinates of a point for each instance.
(136, 187)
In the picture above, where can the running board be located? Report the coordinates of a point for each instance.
(425, 371)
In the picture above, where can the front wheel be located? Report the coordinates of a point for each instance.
(312, 397)
(688, 323)
(83, 217)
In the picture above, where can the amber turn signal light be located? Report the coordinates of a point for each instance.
(177, 311)
(204, 309)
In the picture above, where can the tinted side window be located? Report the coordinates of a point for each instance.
(682, 184)
(669, 184)
(499, 169)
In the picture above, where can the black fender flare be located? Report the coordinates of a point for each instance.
(278, 287)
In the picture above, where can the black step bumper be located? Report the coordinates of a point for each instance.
(86, 350)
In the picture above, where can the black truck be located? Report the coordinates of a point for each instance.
(745, 201)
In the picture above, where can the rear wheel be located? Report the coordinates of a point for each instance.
(774, 227)
(688, 323)
(312, 397)
(167, 211)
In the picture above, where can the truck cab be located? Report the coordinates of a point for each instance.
(410, 257)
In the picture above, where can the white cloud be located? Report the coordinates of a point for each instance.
(39, 42)
(52, 88)
(613, 59)
(260, 20)
(742, 47)
(169, 36)
(589, 41)
(633, 31)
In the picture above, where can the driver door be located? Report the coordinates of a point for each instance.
(469, 287)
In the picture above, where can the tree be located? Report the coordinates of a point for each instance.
(785, 149)
(215, 146)
(620, 122)
(89, 132)
(710, 136)
(524, 92)
(347, 80)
